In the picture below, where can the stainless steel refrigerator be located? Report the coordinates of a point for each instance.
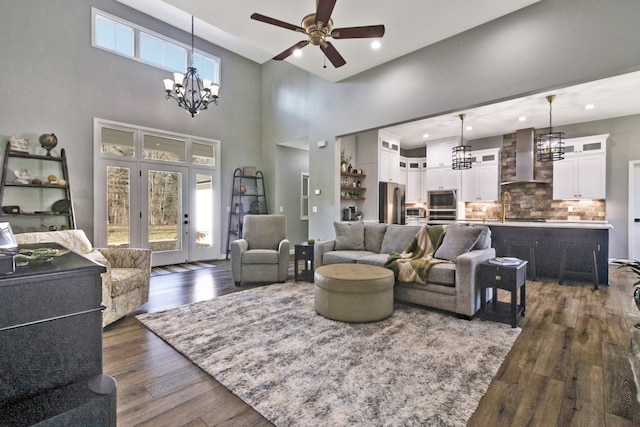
(391, 203)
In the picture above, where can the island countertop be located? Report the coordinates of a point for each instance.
(549, 223)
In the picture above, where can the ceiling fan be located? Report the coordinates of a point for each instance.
(318, 27)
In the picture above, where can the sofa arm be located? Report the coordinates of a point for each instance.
(467, 288)
(319, 249)
(128, 257)
(237, 248)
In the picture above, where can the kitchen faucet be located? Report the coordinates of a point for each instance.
(505, 206)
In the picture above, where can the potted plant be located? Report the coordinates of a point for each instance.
(345, 159)
(634, 266)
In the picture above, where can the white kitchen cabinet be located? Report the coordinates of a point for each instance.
(481, 183)
(402, 171)
(443, 178)
(582, 174)
(389, 157)
(416, 180)
(439, 152)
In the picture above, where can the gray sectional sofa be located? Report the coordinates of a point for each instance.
(450, 286)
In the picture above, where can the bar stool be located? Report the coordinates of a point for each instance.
(531, 247)
(584, 251)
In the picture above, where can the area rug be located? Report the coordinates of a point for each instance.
(180, 268)
(269, 347)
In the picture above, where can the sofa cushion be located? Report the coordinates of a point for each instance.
(458, 239)
(343, 257)
(442, 274)
(375, 259)
(349, 235)
(126, 279)
(398, 237)
(260, 256)
(484, 240)
(373, 235)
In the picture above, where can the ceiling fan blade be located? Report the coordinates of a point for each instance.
(289, 51)
(334, 56)
(324, 10)
(276, 22)
(358, 32)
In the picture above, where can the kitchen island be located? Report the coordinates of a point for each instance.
(548, 238)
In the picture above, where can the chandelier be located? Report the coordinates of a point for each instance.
(190, 91)
(461, 154)
(550, 146)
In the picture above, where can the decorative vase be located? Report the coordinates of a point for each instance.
(48, 141)
(344, 167)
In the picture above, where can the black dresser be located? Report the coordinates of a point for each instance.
(51, 345)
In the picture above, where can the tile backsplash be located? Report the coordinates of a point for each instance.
(534, 200)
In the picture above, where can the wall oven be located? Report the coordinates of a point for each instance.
(442, 205)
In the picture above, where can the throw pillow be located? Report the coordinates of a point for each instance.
(398, 237)
(349, 236)
(458, 240)
(484, 240)
(373, 235)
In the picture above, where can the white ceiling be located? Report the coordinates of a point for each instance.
(612, 97)
(410, 25)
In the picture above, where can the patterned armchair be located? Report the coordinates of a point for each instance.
(262, 255)
(125, 285)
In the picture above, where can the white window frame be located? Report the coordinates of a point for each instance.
(137, 29)
(304, 180)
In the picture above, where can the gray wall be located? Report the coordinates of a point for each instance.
(290, 164)
(52, 80)
(582, 40)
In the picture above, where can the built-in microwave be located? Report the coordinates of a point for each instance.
(416, 212)
(443, 199)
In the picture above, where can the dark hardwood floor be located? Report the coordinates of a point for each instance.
(569, 366)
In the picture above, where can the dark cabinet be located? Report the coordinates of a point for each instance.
(51, 345)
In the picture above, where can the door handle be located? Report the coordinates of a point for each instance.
(185, 222)
(636, 219)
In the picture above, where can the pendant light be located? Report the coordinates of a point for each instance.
(461, 154)
(190, 91)
(550, 146)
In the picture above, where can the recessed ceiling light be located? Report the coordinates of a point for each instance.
(376, 44)
(297, 53)
(522, 119)
(589, 107)
(469, 127)
(425, 135)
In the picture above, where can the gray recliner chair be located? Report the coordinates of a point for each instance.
(262, 255)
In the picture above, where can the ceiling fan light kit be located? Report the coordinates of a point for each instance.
(318, 27)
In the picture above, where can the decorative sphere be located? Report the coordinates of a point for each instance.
(48, 141)
(242, 189)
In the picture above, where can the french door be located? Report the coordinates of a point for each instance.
(161, 192)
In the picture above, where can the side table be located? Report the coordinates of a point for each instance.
(304, 252)
(506, 277)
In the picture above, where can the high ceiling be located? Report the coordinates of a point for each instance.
(410, 25)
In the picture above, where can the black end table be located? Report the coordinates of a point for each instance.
(304, 252)
(507, 277)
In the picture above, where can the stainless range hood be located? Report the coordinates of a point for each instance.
(525, 143)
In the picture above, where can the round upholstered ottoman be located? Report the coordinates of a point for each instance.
(353, 292)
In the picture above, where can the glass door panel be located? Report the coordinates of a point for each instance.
(203, 216)
(118, 207)
(167, 213)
